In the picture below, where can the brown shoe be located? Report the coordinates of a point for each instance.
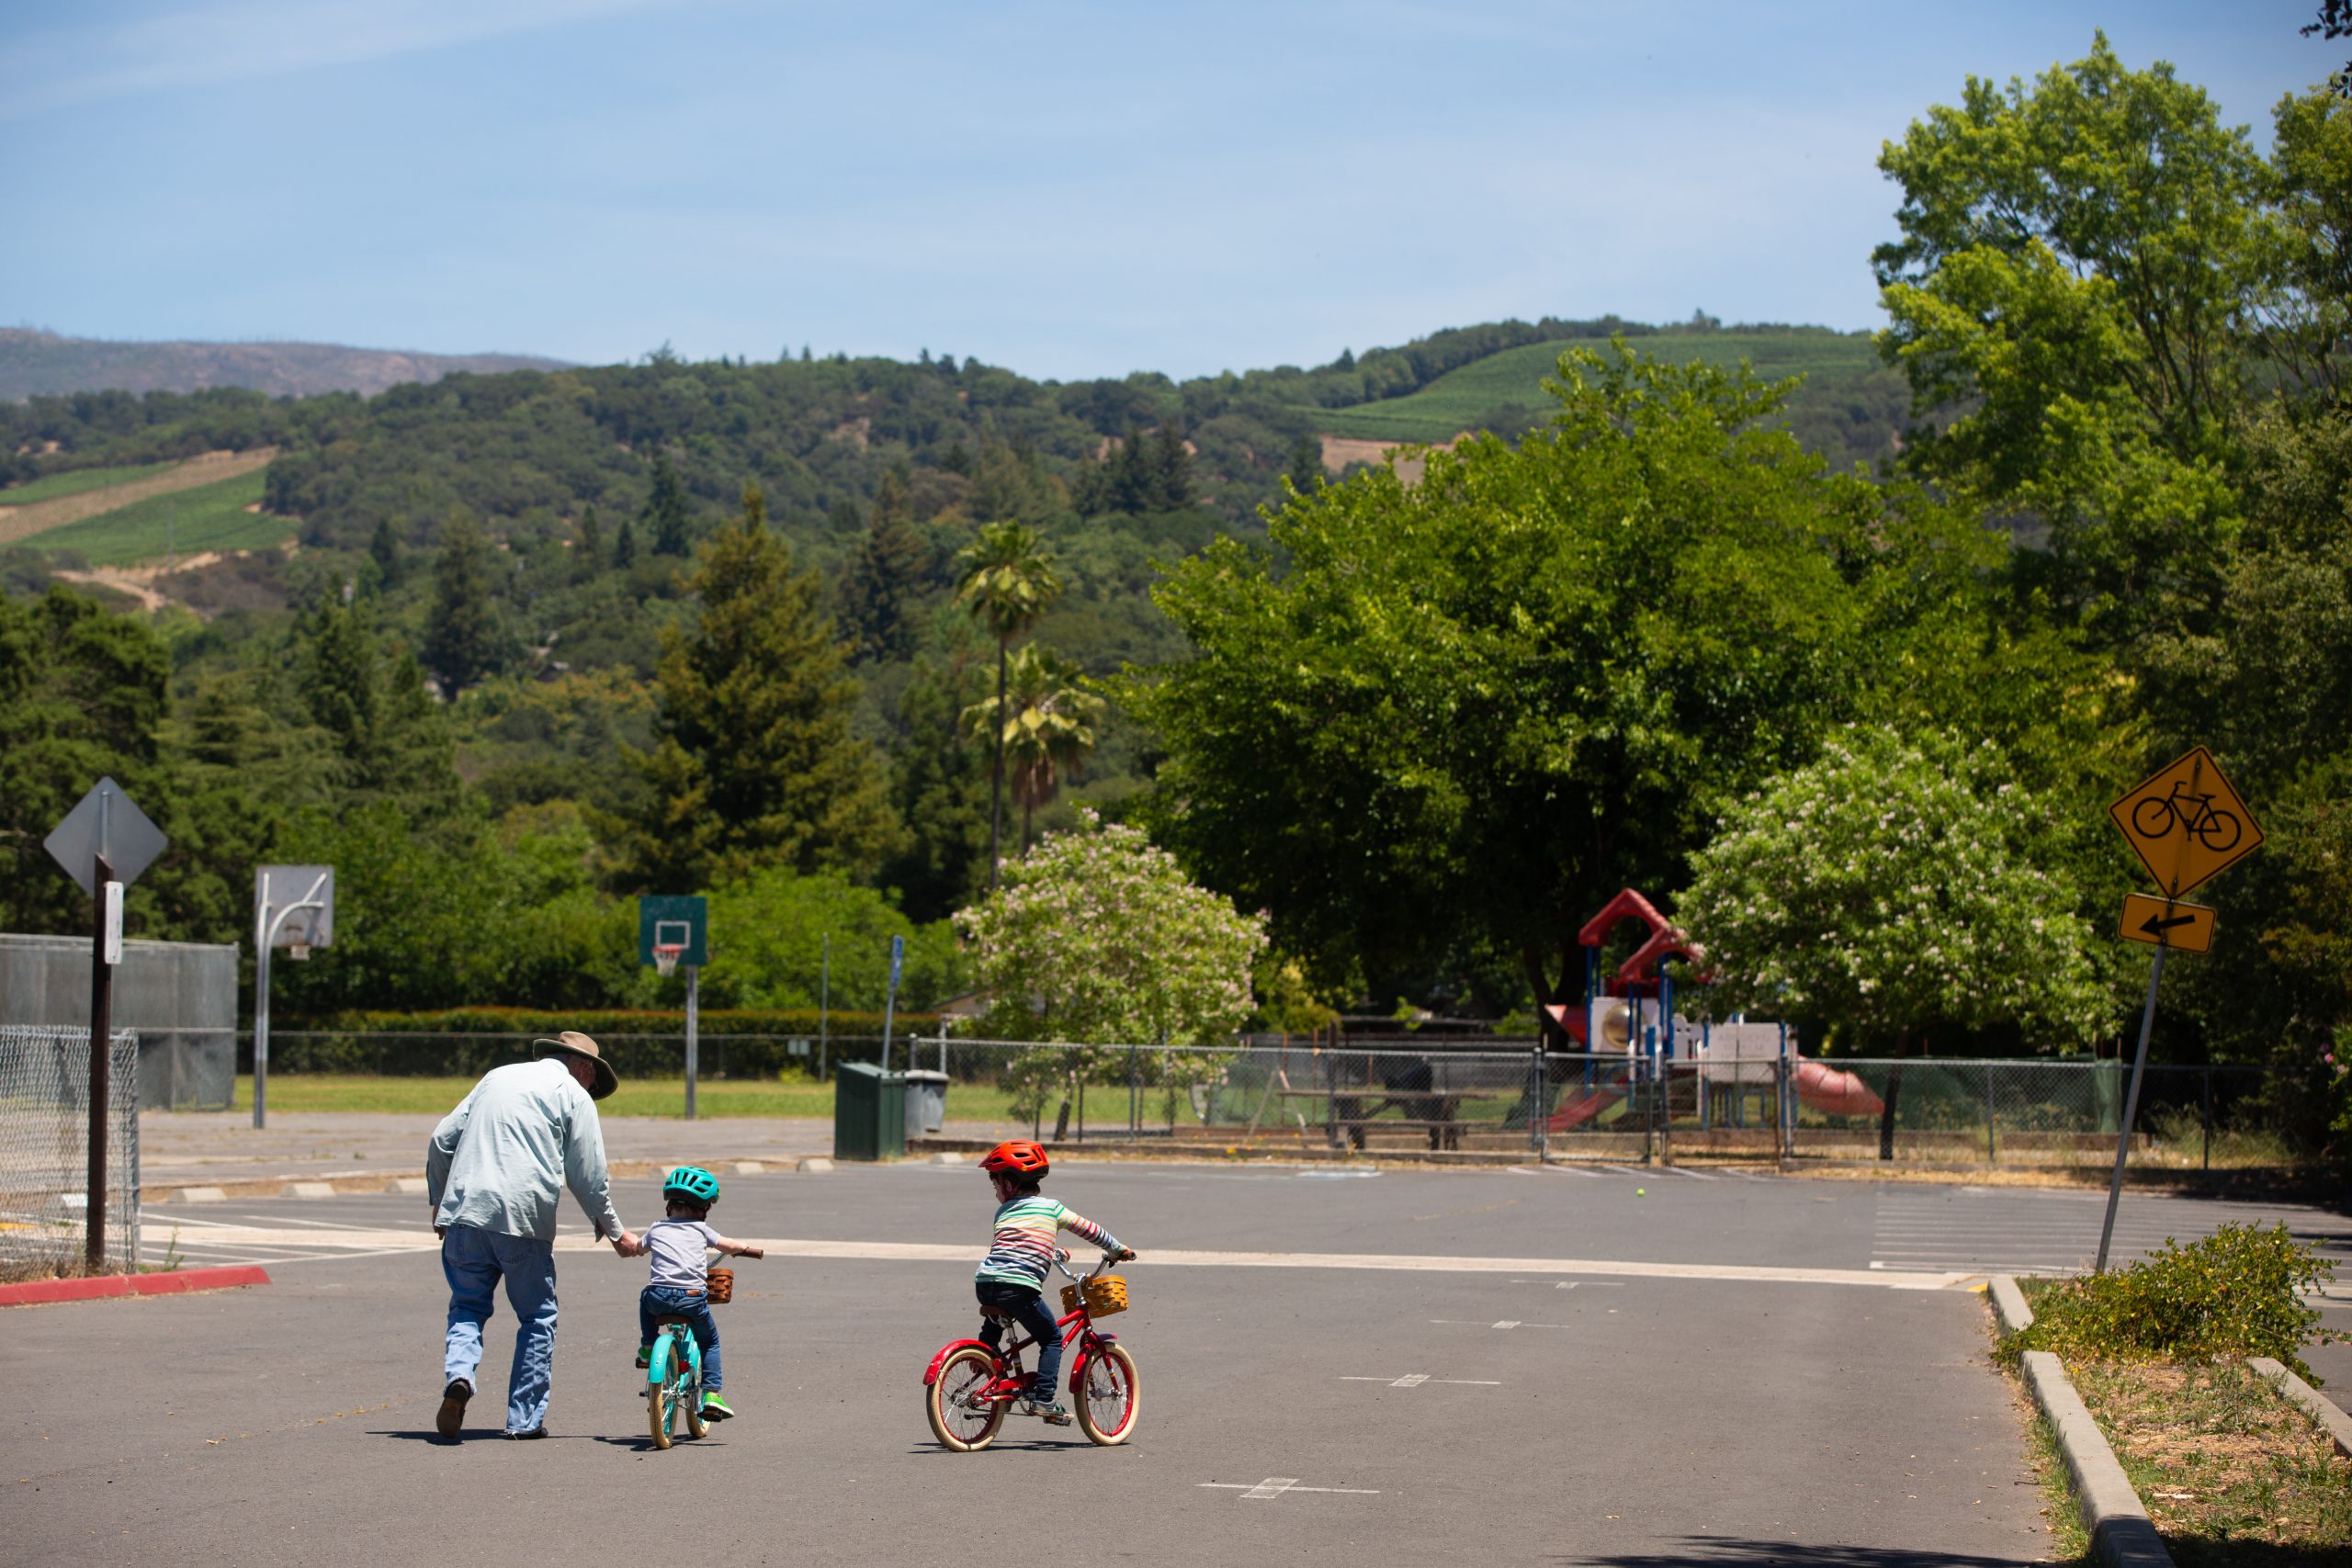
(452, 1418)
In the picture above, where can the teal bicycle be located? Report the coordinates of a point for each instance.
(673, 1382)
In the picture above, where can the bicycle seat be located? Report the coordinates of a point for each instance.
(1002, 1315)
(664, 1318)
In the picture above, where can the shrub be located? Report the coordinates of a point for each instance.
(2237, 1293)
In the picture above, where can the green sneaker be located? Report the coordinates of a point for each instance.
(645, 1355)
(1053, 1415)
(714, 1408)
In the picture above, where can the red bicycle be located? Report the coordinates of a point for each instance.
(969, 1388)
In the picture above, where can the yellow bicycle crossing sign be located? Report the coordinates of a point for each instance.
(2186, 823)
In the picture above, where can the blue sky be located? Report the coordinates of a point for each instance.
(1065, 190)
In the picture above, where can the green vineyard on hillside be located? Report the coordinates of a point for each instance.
(1849, 408)
(208, 517)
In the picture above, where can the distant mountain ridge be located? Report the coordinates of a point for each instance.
(39, 363)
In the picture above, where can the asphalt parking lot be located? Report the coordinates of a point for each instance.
(1600, 1367)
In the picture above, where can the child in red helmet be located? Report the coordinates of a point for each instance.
(1011, 1277)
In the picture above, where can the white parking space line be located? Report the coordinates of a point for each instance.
(422, 1240)
(1277, 1486)
(1505, 1323)
(1415, 1380)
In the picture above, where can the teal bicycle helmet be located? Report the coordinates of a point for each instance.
(691, 1183)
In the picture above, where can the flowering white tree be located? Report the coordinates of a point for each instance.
(1890, 887)
(1098, 937)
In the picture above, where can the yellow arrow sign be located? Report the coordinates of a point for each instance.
(2159, 923)
(2186, 823)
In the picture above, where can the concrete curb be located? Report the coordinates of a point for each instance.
(2121, 1533)
(44, 1292)
(2009, 1304)
(2315, 1404)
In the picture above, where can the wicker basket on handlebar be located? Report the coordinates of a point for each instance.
(1105, 1294)
(719, 1287)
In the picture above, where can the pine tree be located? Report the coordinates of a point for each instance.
(590, 555)
(665, 510)
(883, 576)
(754, 762)
(625, 546)
(1305, 471)
(1132, 488)
(463, 638)
(1171, 471)
(939, 784)
(384, 549)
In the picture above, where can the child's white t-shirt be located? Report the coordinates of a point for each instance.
(677, 1247)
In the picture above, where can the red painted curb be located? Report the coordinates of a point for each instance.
(40, 1293)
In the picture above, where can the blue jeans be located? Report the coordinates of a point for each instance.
(668, 1300)
(1029, 1310)
(474, 1260)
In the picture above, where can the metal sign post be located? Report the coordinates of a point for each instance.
(890, 1003)
(314, 900)
(2186, 825)
(103, 843)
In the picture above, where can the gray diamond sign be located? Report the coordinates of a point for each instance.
(107, 824)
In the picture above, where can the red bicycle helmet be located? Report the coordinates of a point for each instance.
(1018, 1158)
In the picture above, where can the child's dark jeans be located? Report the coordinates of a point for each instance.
(1029, 1310)
(667, 1301)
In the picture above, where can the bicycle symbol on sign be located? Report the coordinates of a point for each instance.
(2189, 812)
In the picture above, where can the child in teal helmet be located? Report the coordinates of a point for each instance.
(680, 1285)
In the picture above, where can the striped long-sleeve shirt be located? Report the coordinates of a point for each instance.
(1023, 1246)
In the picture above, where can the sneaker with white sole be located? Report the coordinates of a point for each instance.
(1046, 1410)
(715, 1408)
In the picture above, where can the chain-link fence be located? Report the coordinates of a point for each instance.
(1256, 1095)
(767, 1058)
(45, 1151)
(2037, 1113)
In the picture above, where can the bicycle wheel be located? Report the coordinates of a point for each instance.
(2219, 831)
(690, 1396)
(661, 1392)
(959, 1417)
(1108, 1397)
(2153, 817)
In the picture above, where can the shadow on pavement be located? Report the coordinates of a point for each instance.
(1795, 1555)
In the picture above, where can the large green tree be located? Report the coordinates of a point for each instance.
(2071, 298)
(1476, 707)
(1005, 577)
(755, 762)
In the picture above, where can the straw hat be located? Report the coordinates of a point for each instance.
(572, 1042)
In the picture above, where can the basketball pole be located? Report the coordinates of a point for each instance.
(694, 1013)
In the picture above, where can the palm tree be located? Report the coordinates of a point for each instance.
(1005, 577)
(1043, 725)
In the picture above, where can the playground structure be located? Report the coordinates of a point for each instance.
(1635, 1049)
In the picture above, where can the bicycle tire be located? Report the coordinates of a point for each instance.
(2213, 819)
(2154, 817)
(959, 1427)
(662, 1379)
(1109, 1387)
(691, 1389)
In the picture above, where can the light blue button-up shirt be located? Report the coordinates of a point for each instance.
(501, 1160)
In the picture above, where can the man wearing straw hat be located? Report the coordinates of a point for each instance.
(494, 1173)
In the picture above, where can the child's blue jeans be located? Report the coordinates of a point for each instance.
(1029, 1310)
(668, 1300)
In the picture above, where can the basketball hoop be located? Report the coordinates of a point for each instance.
(299, 950)
(666, 955)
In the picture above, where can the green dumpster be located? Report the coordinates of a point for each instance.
(869, 1112)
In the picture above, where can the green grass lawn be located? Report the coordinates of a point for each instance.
(74, 481)
(1462, 399)
(206, 518)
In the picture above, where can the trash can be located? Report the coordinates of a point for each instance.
(926, 1101)
(869, 1112)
